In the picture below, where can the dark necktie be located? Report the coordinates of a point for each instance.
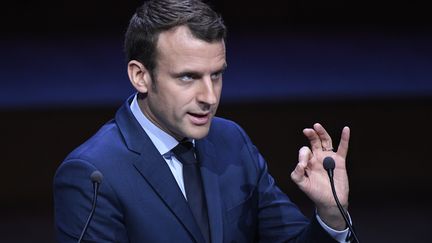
(185, 153)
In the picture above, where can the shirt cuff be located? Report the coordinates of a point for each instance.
(339, 236)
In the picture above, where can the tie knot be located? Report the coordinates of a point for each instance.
(185, 152)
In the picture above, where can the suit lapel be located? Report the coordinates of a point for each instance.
(205, 154)
(155, 171)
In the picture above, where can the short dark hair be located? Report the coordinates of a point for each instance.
(155, 16)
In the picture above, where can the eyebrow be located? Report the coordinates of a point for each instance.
(199, 74)
(224, 67)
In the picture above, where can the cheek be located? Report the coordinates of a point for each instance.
(185, 99)
(218, 88)
(177, 106)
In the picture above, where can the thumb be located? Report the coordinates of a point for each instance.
(299, 173)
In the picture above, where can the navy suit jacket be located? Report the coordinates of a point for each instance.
(140, 201)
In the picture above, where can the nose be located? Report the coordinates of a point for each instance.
(209, 92)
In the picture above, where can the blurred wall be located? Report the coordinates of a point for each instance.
(362, 64)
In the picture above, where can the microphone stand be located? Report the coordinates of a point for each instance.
(96, 178)
(329, 165)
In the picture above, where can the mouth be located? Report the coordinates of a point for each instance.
(199, 119)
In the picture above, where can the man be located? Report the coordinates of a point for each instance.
(150, 192)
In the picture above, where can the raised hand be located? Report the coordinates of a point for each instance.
(313, 180)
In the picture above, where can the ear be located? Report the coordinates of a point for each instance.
(139, 76)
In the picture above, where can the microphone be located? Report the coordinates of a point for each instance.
(96, 178)
(329, 166)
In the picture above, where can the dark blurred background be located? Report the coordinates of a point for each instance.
(365, 64)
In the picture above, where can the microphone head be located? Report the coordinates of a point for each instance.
(96, 176)
(329, 163)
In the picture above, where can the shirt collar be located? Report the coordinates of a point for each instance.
(162, 140)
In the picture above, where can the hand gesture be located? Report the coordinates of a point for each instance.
(312, 178)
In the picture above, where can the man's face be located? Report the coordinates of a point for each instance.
(185, 92)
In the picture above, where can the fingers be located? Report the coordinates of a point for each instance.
(344, 141)
(314, 139)
(320, 140)
(299, 173)
(326, 141)
(318, 137)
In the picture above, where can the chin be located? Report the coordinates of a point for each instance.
(198, 133)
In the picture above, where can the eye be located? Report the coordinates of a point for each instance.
(186, 78)
(216, 76)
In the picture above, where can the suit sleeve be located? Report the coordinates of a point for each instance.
(73, 194)
(279, 219)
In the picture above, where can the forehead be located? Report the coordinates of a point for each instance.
(178, 49)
